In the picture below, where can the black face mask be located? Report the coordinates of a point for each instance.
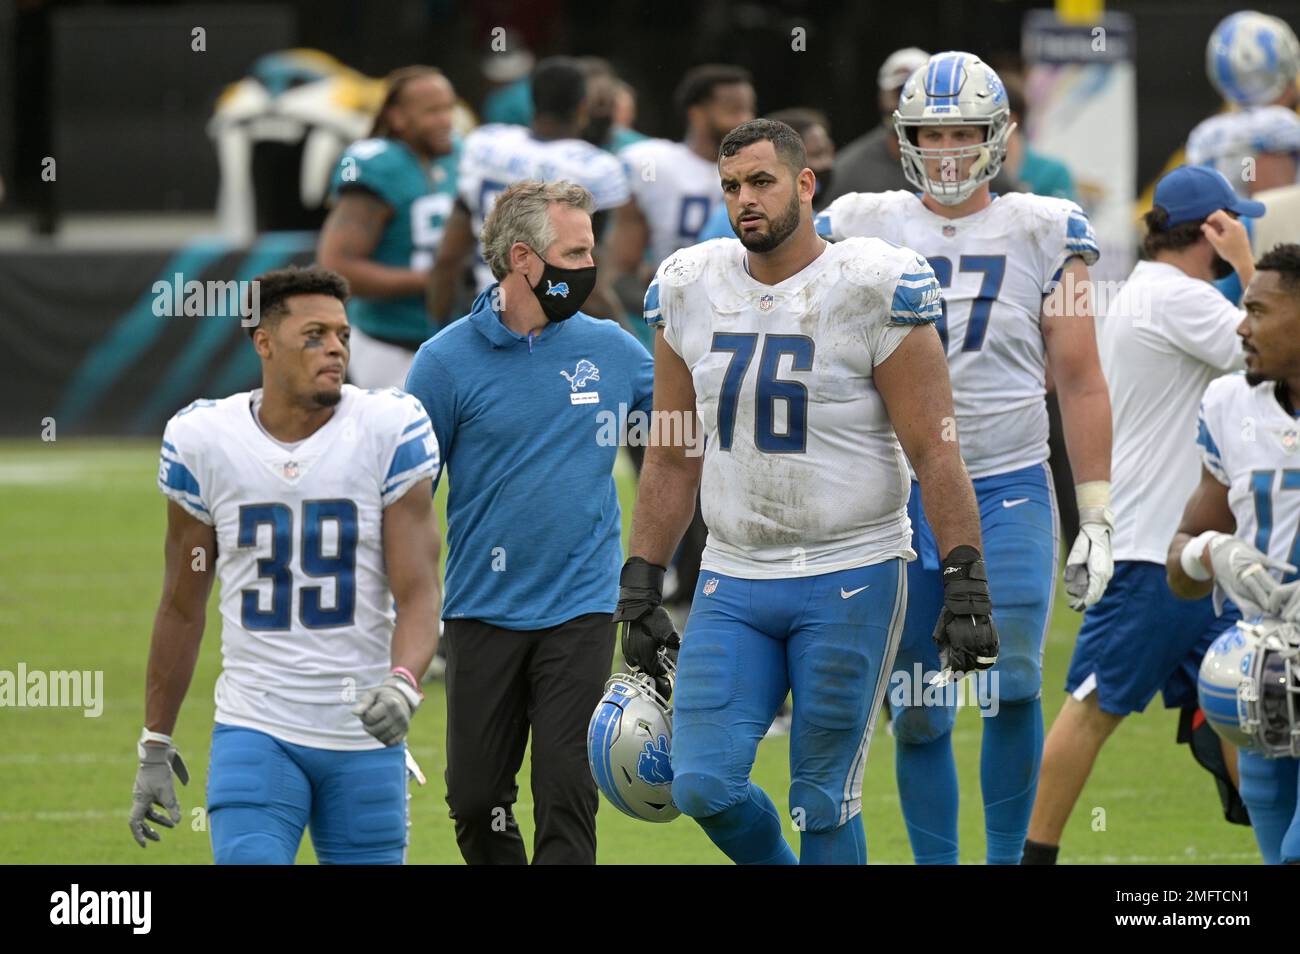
(563, 291)
(823, 188)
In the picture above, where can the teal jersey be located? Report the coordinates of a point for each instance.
(420, 195)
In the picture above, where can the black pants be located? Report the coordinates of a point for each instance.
(501, 683)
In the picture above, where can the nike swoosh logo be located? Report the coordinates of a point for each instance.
(1008, 504)
(847, 594)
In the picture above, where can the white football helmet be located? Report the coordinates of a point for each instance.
(953, 89)
(629, 747)
(1249, 687)
(1252, 58)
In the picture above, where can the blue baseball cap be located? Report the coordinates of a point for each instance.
(1190, 193)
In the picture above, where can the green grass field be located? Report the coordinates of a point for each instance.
(81, 527)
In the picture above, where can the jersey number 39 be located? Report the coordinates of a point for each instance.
(316, 559)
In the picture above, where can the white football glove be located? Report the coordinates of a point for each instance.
(1242, 572)
(1089, 566)
(153, 786)
(1286, 602)
(386, 710)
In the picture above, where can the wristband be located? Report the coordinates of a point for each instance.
(407, 675)
(1190, 558)
(147, 736)
(1093, 493)
(401, 672)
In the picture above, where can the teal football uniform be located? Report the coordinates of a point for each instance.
(420, 196)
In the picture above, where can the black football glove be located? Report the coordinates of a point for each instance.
(647, 629)
(967, 638)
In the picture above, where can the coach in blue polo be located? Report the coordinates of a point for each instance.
(522, 392)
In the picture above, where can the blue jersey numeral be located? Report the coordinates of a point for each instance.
(768, 390)
(340, 563)
(692, 216)
(1261, 485)
(994, 268)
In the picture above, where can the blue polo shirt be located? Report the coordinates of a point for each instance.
(529, 430)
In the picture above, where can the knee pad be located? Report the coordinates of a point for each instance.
(1019, 679)
(812, 808)
(253, 848)
(836, 690)
(1266, 783)
(700, 794)
(919, 725)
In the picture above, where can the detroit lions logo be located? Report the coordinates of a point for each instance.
(561, 289)
(654, 767)
(584, 373)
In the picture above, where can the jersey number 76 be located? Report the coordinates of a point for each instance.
(767, 392)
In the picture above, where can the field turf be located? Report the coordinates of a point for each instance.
(81, 528)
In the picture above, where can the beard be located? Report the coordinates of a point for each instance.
(1220, 267)
(1253, 379)
(327, 398)
(778, 229)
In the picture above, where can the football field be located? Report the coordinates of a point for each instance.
(81, 530)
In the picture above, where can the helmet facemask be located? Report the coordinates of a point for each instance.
(985, 158)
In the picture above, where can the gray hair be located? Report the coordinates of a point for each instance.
(522, 214)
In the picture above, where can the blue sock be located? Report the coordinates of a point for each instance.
(927, 787)
(1009, 761)
(846, 845)
(750, 833)
(1268, 787)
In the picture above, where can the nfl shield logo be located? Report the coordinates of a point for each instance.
(1290, 440)
(949, 231)
(291, 470)
(710, 586)
(764, 304)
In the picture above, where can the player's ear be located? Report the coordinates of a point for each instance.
(807, 183)
(519, 255)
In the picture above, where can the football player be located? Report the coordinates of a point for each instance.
(1014, 273)
(392, 194)
(311, 500)
(1240, 532)
(808, 365)
(1252, 60)
(674, 185)
(497, 155)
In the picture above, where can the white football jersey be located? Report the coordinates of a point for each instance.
(307, 615)
(1227, 140)
(675, 190)
(803, 473)
(498, 155)
(994, 266)
(1252, 446)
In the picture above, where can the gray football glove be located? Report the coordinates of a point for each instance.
(386, 710)
(1285, 604)
(1242, 572)
(153, 786)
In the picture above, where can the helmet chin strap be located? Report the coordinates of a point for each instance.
(980, 162)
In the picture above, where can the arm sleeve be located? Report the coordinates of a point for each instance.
(1204, 324)
(1079, 242)
(414, 452)
(1210, 455)
(431, 385)
(178, 469)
